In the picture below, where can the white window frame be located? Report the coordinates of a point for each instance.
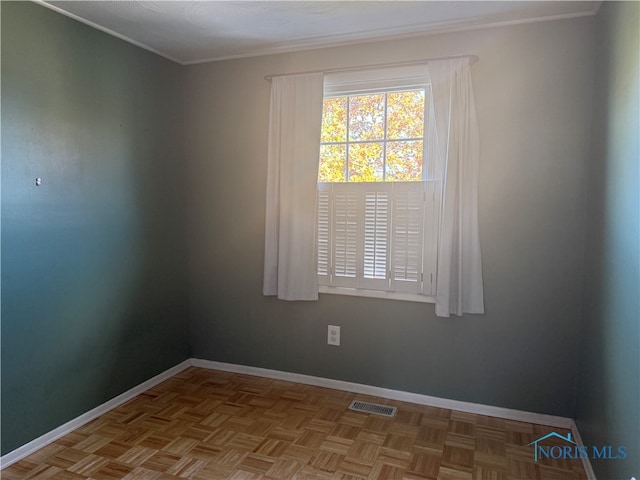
(330, 279)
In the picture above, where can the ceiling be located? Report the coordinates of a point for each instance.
(200, 31)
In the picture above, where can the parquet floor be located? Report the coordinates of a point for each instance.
(205, 424)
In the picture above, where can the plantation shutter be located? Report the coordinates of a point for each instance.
(378, 236)
(407, 237)
(377, 215)
(430, 240)
(324, 233)
(345, 225)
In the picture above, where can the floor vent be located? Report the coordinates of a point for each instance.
(367, 407)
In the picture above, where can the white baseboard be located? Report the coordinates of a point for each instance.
(44, 440)
(477, 408)
(480, 409)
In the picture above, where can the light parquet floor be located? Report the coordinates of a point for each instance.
(206, 424)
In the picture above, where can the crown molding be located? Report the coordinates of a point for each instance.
(329, 41)
(386, 35)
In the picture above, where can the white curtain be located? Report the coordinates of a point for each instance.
(295, 117)
(459, 287)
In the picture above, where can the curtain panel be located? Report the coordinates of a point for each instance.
(290, 262)
(459, 287)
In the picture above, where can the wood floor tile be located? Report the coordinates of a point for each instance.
(491, 446)
(488, 460)
(326, 461)
(431, 438)
(207, 425)
(447, 473)
(256, 463)
(283, 468)
(461, 441)
(89, 465)
(354, 468)
(112, 471)
(461, 428)
(136, 455)
(363, 452)
(395, 458)
(298, 453)
(521, 470)
(424, 465)
(488, 473)
(551, 473)
(457, 458)
(491, 433)
(337, 445)
(386, 471)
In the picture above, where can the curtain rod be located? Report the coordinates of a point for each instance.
(473, 59)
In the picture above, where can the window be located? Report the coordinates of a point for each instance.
(378, 195)
(376, 137)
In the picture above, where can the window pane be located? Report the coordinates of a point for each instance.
(334, 120)
(333, 163)
(366, 117)
(404, 161)
(365, 162)
(405, 114)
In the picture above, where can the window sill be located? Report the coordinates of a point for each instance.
(357, 292)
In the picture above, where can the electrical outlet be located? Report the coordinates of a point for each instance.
(333, 335)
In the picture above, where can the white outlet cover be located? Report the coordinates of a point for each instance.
(333, 335)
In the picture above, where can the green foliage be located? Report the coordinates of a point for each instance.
(371, 137)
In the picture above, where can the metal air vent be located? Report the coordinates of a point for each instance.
(374, 408)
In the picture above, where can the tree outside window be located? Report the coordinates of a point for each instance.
(377, 137)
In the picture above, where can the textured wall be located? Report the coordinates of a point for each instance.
(94, 296)
(533, 92)
(608, 400)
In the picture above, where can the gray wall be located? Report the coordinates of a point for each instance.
(533, 89)
(608, 408)
(94, 296)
